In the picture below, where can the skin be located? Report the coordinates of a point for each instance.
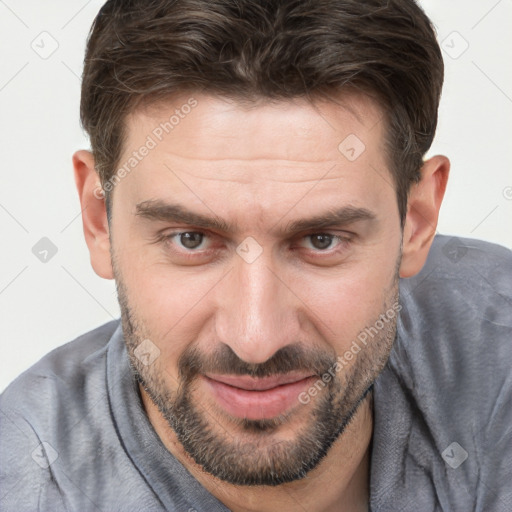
(262, 168)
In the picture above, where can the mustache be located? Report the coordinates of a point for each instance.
(224, 361)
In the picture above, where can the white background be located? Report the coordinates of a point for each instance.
(43, 305)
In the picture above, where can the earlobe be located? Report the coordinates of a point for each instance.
(424, 203)
(94, 215)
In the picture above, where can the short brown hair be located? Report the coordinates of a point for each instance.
(140, 52)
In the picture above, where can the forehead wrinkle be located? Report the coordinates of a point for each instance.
(241, 178)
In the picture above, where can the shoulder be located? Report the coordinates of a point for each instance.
(474, 265)
(464, 283)
(456, 318)
(452, 359)
(455, 325)
(66, 366)
(41, 404)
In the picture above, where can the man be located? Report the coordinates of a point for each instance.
(292, 335)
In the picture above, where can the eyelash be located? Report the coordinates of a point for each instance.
(167, 238)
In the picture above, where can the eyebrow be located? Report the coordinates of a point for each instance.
(168, 212)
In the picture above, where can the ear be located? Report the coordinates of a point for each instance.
(423, 207)
(94, 214)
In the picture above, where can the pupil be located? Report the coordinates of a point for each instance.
(191, 240)
(321, 241)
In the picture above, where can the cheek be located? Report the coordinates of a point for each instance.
(347, 303)
(172, 306)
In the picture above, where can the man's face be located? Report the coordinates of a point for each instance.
(242, 297)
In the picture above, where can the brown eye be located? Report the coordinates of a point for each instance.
(191, 239)
(321, 241)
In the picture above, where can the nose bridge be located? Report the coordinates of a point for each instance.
(256, 316)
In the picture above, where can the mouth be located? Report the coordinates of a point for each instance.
(257, 398)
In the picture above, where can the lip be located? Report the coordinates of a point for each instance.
(257, 398)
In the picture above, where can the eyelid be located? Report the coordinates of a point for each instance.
(167, 237)
(342, 238)
(344, 235)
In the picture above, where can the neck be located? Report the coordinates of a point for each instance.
(340, 483)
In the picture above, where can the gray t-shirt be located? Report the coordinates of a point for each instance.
(74, 435)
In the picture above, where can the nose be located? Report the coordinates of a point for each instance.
(257, 312)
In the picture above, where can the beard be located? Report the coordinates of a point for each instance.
(266, 451)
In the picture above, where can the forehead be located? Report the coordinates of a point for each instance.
(205, 146)
(202, 126)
